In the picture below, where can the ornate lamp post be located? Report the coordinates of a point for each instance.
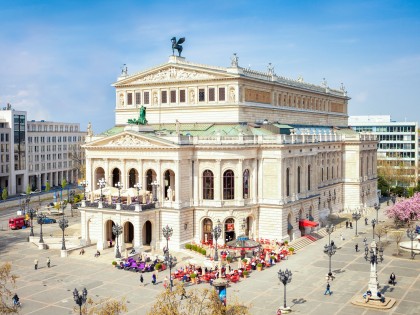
(285, 277)
(80, 299)
(377, 208)
(32, 213)
(330, 251)
(63, 223)
(411, 234)
(41, 218)
(84, 184)
(373, 228)
(155, 186)
(139, 187)
(167, 233)
(329, 229)
(356, 216)
(117, 231)
(119, 187)
(374, 256)
(217, 231)
(101, 184)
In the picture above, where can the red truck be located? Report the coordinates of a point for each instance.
(17, 223)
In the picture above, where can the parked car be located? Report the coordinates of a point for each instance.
(17, 223)
(48, 220)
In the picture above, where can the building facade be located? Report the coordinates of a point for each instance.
(260, 154)
(398, 150)
(33, 153)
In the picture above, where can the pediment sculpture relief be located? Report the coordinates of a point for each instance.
(129, 141)
(175, 74)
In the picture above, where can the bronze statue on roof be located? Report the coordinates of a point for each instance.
(177, 45)
(142, 117)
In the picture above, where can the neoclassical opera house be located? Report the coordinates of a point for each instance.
(260, 154)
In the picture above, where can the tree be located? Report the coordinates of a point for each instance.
(405, 210)
(63, 183)
(4, 193)
(107, 306)
(380, 231)
(28, 189)
(397, 236)
(383, 185)
(77, 157)
(200, 302)
(7, 281)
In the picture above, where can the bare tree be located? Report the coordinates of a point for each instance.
(76, 155)
(200, 302)
(108, 306)
(380, 231)
(7, 281)
(397, 236)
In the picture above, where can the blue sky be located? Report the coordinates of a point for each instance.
(59, 58)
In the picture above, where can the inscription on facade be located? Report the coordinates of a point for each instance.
(257, 96)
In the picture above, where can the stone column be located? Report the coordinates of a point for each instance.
(197, 180)
(218, 182)
(239, 198)
(373, 277)
(254, 181)
(177, 184)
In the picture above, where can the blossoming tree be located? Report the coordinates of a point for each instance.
(406, 210)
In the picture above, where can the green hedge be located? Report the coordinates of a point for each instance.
(196, 248)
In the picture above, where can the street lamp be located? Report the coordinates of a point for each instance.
(84, 184)
(411, 233)
(374, 256)
(117, 231)
(119, 187)
(377, 208)
(139, 187)
(155, 185)
(32, 213)
(330, 251)
(80, 299)
(167, 233)
(41, 218)
(285, 277)
(217, 231)
(373, 228)
(329, 229)
(356, 216)
(63, 223)
(101, 184)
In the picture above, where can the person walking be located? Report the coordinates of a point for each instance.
(366, 221)
(356, 247)
(48, 262)
(183, 293)
(328, 291)
(342, 236)
(36, 264)
(141, 279)
(153, 278)
(392, 278)
(351, 225)
(347, 224)
(165, 282)
(365, 241)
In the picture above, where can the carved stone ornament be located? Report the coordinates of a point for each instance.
(129, 141)
(175, 74)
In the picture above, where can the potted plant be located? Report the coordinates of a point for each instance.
(244, 261)
(291, 250)
(158, 267)
(273, 259)
(259, 266)
(188, 246)
(245, 273)
(114, 263)
(286, 243)
(229, 259)
(192, 277)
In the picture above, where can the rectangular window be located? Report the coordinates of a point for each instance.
(211, 95)
(146, 98)
(129, 98)
(222, 94)
(138, 98)
(164, 97)
(173, 96)
(182, 96)
(201, 95)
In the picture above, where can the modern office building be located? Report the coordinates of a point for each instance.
(398, 146)
(257, 153)
(34, 152)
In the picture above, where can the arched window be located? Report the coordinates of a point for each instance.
(245, 190)
(309, 177)
(287, 182)
(228, 185)
(208, 185)
(150, 177)
(298, 179)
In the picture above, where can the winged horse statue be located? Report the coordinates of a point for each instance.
(177, 45)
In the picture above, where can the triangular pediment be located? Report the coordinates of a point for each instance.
(175, 72)
(129, 139)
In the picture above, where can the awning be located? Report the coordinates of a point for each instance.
(308, 223)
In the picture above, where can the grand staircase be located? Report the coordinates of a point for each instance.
(308, 239)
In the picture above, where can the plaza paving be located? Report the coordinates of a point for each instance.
(49, 290)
